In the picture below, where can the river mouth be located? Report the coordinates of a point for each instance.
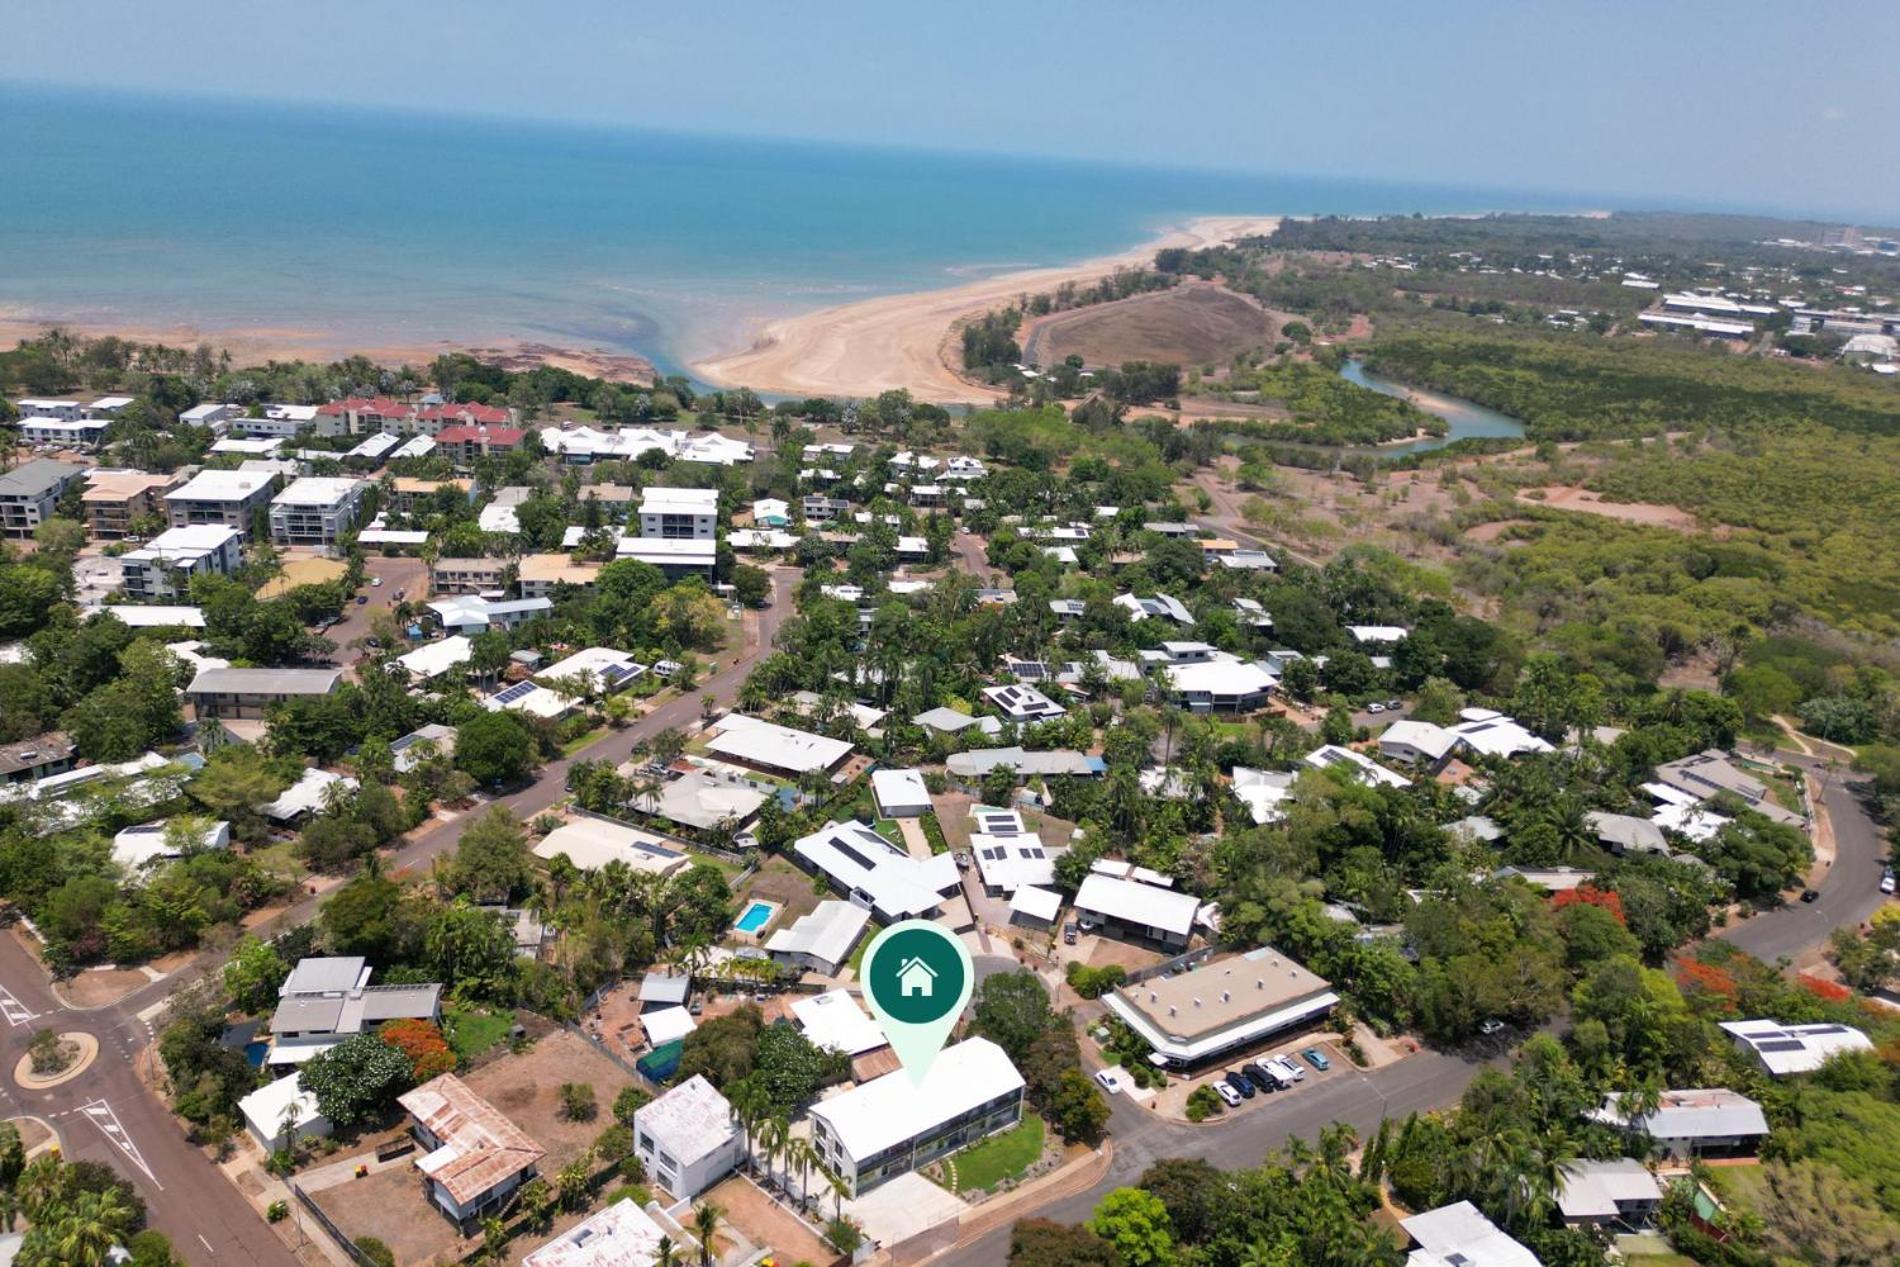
(1464, 419)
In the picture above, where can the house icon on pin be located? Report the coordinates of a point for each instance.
(916, 977)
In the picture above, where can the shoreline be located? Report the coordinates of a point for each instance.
(901, 341)
(257, 345)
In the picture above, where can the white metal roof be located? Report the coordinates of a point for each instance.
(690, 1121)
(591, 843)
(667, 1024)
(1424, 737)
(306, 795)
(220, 486)
(834, 1020)
(1593, 1189)
(1136, 903)
(268, 1107)
(828, 932)
(890, 1110)
(318, 490)
(622, 1235)
(900, 787)
(859, 860)
(1459, 1234)
(778, 747)
(1330, 756)
(1037, 903)
(1692, 1113)
(432, 659)
(1785, 1049)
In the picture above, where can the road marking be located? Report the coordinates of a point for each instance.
(207, 1244)
(100, 1114)
(17, 1013)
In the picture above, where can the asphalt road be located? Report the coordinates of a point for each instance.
(1849, 895)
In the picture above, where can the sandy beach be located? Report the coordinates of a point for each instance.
(862, 348)
(255, 346)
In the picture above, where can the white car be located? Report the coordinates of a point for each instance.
(1886, 880)
(1288, 1068)
(1227, 1093)
(1110, 1081)
(1375, 707)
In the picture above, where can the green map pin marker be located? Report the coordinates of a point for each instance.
(917, 979)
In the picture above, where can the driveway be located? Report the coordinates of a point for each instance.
(411, 576)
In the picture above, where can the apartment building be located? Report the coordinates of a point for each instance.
(249, 693)
(468, 576)
(231, 498)
(679, 514)
(163, 567)
(115, 500)
(462, 443)
(315, 510)
(30, 491)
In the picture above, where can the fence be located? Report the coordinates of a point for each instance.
(335, 1233)
(1191, 959)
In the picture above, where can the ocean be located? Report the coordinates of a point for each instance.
(394, 229)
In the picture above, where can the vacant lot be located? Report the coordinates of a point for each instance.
(528, 1089)
(1192, 324)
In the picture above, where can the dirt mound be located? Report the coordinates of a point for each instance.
(1190, 324)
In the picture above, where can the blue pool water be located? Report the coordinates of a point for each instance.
(254, 1054)
(756, 916)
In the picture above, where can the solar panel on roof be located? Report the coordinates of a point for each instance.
(1781, 1044)
(515, 692)
(851, 853)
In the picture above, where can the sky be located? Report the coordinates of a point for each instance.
(1743, 104)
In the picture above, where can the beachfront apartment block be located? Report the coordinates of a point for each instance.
(463, 443)
(163, 567)
(315, 510)
(679, 514)
(115, 500)
(891, 1126)
(30, 491)
(231, 498)
(357, 415)
(77, 433)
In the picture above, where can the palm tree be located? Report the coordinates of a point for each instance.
(705, 1223)
(666, 1254)
(91, 1228)
(799, 1152)
(750, 1103)
(494, 1238)
(774, 1133)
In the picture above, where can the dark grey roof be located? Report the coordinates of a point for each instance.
(38, 477)
(399, 1002)
(308, 1013)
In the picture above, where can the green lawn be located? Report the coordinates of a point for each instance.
(871, 931)
(888, 828)
(1659, 1260)
(473, 1032)
(574, 745)
(1000, 1157)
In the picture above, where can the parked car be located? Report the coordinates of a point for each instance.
(400, 594)
(375, 582)
(1886, 880)
(963, 861)
(1394, 705)
(1261, 1082)
(1227, 1094)
(1288, 1068)
(1491, 1026)
(1109, 1082)
(1272, 1073)
(362, 599)
(1375, 707)
(1315, 1058)
(1239, 1084)
(1810, 895)
(1068, 933)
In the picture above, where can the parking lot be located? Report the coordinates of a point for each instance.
(407, 576)
(1172, 1100)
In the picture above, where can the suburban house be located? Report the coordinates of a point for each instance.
(876, 874)
(315, 510)
(620, 1235)
(40, 407)
(409, 495)
(139, 846)
(29, 492)
(1713, 773)
(704, 802)
(281, 1112)
(1218, 683)
(594, 670)
(407, 752)
(1129, 908)
(469, 614)
(1207, 1012)
(675, 556)
(777, 749)
(900, 793)
(1020, 703)
(1696, 1122)
(687, 1139)
(231, 498)
(80, 433)
(1783, 1050)
(890, 1126)
(948, 721)
(326, 1000)
(1357, 764)
(592, 843)
(1621, 1194)
(28, 760)
(1624, 833)
(822, 941)
(308, 795)
(1008, 855)
(250, 692)
(1458, 1235)
(1159, 606)
(1423, 744)
(835, 1021)
(163, 567)
(114, 500)
(476, 1157)
(977, 763)
(679, 514)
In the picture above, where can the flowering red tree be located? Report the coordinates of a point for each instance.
(1705, 984)
(1589, 895)
(428, 1052)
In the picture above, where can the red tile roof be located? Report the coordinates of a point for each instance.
(465, 412)
(494, 437)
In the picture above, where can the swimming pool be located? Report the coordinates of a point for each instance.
(756, 916)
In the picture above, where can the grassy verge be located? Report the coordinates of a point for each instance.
(472, 1032)
(871, 931)
(1002, 1156)
(574, 745)
(933, 832)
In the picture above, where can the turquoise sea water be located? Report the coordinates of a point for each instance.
(402, 228)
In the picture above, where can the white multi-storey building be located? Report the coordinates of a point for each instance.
(679, 514)
(315, 510)
(163, 567)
